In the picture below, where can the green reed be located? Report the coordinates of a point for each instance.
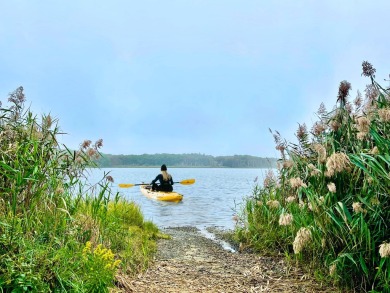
(55, 227)
(329, 205)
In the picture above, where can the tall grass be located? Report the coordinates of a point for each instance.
(329, 205)
(58, 233)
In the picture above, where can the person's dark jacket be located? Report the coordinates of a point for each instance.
(164, 185)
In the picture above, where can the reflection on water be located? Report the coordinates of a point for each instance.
(212, 201)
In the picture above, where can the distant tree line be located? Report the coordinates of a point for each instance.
(185, 160)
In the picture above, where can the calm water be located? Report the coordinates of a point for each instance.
(212, 201)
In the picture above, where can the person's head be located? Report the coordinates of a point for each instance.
(164, 172)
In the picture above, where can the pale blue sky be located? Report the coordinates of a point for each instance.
(188, 76)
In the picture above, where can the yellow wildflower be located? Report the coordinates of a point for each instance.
(87, 248)
(107, 266)
(116, 263)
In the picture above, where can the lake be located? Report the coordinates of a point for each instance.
(212, 201)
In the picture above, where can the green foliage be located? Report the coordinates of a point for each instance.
(329, 204)
(58, 233)
(185, 160)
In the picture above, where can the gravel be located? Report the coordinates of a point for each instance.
(192, 262)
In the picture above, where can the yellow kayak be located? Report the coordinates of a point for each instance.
(161, 195)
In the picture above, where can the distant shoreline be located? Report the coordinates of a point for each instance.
(185, 161)
(182, 167)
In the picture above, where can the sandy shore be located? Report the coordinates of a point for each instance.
(191, 262)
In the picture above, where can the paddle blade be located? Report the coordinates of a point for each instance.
(126, 185)
(187, 181)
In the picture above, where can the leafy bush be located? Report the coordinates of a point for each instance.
(53, 222)
(329, 203)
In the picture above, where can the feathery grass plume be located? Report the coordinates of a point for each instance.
(99, 144)
(371, 94)
(302, 131)
(363, 124)
(358, 101)
(297, 182)
(321, 151)
(17, 97)
(313, 170)
(91, 152)
(331, 187)
(368, 69)
(384, 250)
(337, 163)
(322, 111)
(384, 114)
(357, 207)
(332, 269)
(109, 178)
(59, 190)
(361, 135)
(288, 164)
(269, 179)
(318, 128)
(47, 122)
(335, 125)
(348, 107)
(290, 199)
(274, 204)
(280, 144)
(301, 239)
(323, 243)
(285, 219)
(344, 89)
(303, 141)
(374, 151)
(86, 143)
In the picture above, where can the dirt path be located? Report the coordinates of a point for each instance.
(190, 262)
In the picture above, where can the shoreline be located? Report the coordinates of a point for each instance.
(192, 262)
(181, 167)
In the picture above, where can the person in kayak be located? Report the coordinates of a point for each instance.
(165, 180)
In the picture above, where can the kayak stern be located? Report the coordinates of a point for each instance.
(161, 195)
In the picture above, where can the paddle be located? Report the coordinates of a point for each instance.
(184, 182)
